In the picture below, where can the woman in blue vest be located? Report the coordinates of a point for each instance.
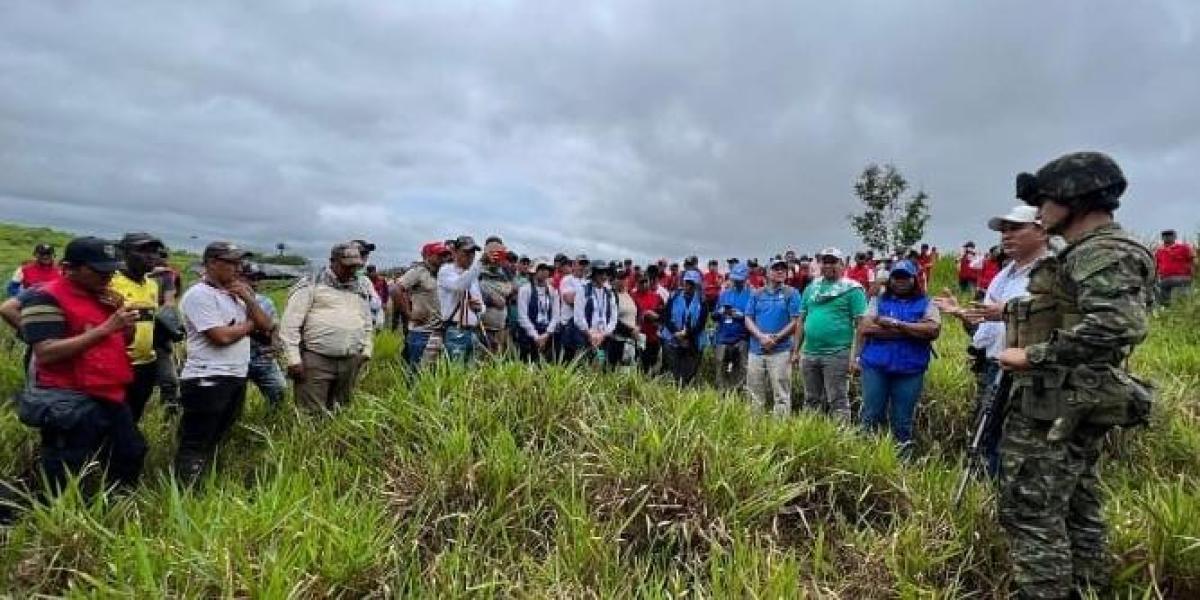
(683, 330)
(895, 344)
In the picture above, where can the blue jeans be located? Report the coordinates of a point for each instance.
(891, 397)
(459, 344)
(264, 371)
(414, 348)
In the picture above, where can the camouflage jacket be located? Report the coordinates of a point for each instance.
(1101, 287)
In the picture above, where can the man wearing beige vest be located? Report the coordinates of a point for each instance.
(327, 332)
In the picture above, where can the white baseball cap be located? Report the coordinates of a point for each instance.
(1021, 214)
(834, 252)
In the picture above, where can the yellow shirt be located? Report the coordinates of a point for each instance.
(144, 297)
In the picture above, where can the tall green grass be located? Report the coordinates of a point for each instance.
(510, 480)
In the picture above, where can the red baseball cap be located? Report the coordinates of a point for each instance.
(434, 249)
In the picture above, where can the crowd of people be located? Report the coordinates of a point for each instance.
(102, 323)
(102, 327)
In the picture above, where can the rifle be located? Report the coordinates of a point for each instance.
(990, 409)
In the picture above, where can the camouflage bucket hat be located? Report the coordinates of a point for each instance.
(1072, 176)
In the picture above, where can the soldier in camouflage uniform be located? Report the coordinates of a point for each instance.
(1068, 342)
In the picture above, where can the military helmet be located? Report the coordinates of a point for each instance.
(1079, 179)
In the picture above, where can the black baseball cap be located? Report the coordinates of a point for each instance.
(464, 242)
(92, 252)
(561, 258)
(138, 239)
(43, 250)
(224, 251)
(364, 246)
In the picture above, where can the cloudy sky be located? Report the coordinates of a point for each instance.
(630, 128)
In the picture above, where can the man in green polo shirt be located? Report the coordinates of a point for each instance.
(829, 314)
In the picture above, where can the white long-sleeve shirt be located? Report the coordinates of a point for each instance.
(452, 283)
(548, 309)
(566, 309)
(1011, 282)
(604, 309)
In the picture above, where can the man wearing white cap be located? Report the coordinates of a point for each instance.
(829, 315)
(1026, 243)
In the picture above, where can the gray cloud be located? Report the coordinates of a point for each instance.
(622, 128)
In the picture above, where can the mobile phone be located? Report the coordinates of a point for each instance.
(145, 314)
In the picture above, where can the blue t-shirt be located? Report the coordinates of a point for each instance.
(772, 311)
(731, 328)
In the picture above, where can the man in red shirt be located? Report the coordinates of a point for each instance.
(378, 282)
(926, 259)
(712, 281)
(40, 270)
(860, 271)
(799, 273)
(78, 329)
(757, 278)
(1175, 261)
(562, 268)
(649, 308)
(670, 278)
(992, 264)
(967, 273)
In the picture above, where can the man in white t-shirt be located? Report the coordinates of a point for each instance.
(219, 314)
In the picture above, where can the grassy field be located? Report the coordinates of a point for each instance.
(533, 482)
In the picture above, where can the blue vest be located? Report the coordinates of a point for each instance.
(686, 316)
(589, 308)
(899, 356)
(534, 309)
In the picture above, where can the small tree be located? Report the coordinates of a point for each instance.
(281, 247)
(888, 223)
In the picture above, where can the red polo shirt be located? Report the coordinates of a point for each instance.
(712, 285)
(35, 273)
(648, 301)
(986, 274)
(861, 274)
(965, 271)
(1175, 260)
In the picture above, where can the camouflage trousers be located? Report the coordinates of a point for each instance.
(1050, 509)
